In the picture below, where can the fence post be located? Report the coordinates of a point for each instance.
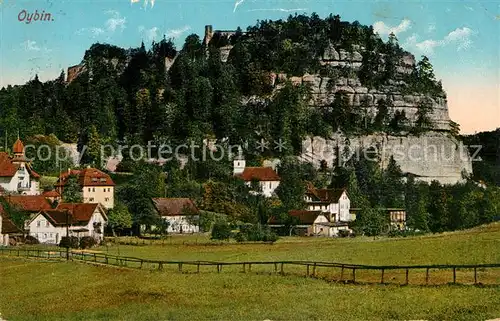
(142, 262)
(275, 267)
(250, 267)
(407, 271)
(198, 268)
(342, 273)
(314, 269)
(454, 275)
(382, 277)
(106, 259)
(160, 266)
(180, 267)
(427, 276)
(475, 275)
(95, 257)
(354, 275)
(244, 268)
(307, 270)
(282, 270)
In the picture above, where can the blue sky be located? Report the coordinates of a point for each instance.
(462, 38)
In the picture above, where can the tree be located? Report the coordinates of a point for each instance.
(392, 185)
(416, 200)
(371, 221)
(72, 191)
(292, 185)
(221, 231)
(381, 118)
(119, 218)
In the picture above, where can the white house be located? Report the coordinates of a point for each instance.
(81, 219)
(97, 186)
(333, 201)
(16, 174)
(267, 178)
(180, 213)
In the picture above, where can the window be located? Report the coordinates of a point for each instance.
(38, 223)
(45, 235)
(47, 224)
(93, 189)
(106, 199)
(109, 189)
(89, 189)
(269, 185)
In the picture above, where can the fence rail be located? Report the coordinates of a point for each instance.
(490, 272)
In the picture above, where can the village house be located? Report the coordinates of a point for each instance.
(307, 223)
(266, 177)
(81, 219)
(16, 173)
(334, 201)
(180, 213)
(97, 186)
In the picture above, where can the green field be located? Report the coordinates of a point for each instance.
(43, 290)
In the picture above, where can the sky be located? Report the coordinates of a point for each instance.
(461, 38)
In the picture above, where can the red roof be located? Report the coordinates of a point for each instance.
(87, 177)
(7, 169)
(327, 195)
(304, 217)
(51, 194)
(174, 206)
(18, 147)
(81, 212)
(259, 173)
(30, 203)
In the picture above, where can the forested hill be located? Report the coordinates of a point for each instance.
(488, 168)
(163, 93)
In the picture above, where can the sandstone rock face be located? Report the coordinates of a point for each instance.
(432, 156)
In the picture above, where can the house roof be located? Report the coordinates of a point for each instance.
(51, 194)
(87, 177)
(327, 195)
(57, 217)
(18, 147)
(30, 203)
(304, 217)
(259, 173)
(81, 212)
(174, 206)
(7, 169)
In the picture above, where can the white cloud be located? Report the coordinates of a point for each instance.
(146, 2)
(459, 36)
(382, 29)
(175, 33)
(149, 34)
(115, 22)
(280, 9)
(30, 45)
(237, 4)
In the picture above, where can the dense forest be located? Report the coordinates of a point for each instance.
(129, 96)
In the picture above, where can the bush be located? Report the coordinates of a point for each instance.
(87, 242)
(256, 233)
(71, 242)
(344, 233)
(221, 231)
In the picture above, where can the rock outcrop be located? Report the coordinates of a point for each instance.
(431, 156)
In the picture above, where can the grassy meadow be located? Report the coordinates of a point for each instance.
(48, 290)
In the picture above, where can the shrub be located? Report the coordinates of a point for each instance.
(71, 242)
(256, 233)
(87, 242)
(344, 233)
(221, 231)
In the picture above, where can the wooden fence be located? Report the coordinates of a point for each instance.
(346, 273)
